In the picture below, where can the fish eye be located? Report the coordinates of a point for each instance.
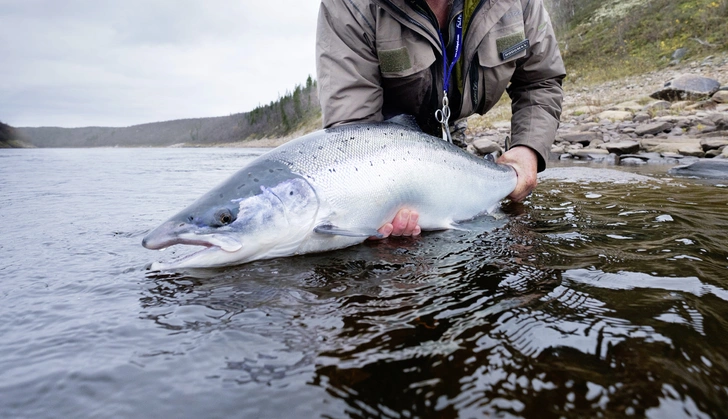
(224, 217)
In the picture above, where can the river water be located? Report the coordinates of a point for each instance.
(604, 295)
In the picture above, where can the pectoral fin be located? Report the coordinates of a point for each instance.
(348, 232)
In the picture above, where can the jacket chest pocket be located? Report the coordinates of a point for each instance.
(497, 56)
(405, 62)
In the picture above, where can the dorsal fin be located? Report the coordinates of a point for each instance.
(407, 121)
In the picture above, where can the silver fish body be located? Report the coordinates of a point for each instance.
(332, 189)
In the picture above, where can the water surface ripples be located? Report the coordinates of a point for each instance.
(604, 295)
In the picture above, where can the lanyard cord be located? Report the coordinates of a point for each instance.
(443, 115)
(447, 69)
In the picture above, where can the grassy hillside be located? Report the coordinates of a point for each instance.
(295, 110)
(9, 137)
(603, 40)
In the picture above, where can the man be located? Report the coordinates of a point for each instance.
(381, 58)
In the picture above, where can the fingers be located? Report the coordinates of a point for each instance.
(404, 224)
(384, 230)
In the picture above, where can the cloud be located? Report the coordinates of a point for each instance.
(82, 63)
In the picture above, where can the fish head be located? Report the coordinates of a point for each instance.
(268, 217)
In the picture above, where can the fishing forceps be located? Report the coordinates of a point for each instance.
(443, 117)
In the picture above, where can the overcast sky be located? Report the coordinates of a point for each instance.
(73, 63)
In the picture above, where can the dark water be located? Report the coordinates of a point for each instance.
(604, 297)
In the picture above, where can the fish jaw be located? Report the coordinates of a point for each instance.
(271, 224)
(172, 233)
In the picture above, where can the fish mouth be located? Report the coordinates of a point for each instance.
(172, 233)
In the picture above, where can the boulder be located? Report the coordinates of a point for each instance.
(683, 146)
(653, 128)
(485, 145)
(721, 96)
(623, 147)
(641, 117)
(687, 87)
(712, 169)
(713, 143)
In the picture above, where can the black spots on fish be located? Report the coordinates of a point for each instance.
(290, 193)
(356, 169)
(271, 170)
(351, 138)
(190, 219)
(332, 170)
(370, 163)
(320, 147)
(241, 186)
(221, 195)
(255, 180)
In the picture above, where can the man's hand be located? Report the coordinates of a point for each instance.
(404, 224)
(525, 161)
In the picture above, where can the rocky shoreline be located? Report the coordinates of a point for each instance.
(677, 115)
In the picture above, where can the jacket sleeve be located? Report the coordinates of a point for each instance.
(535, 88)
(347, 65)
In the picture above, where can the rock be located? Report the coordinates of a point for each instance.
(687, 87)
(581, 137)
(643, 157)
(712, 143)
(653, 128)
(641, 117)
(485, 145)
(712, 153)
(615, 115)
(703, 104)
(630, 106)
(590, 153)
(558, 149)
(658, 105)
(719, 119)
(631, 161)
(623, 147)
(585, 127)
(721, 96)
(712, 169)
(672, 145)
(678, 55)
(694, 150)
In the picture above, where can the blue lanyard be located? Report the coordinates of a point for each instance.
(447, 69)
(443, 115)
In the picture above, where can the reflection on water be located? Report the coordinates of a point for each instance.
(604, 295)
(601, 297)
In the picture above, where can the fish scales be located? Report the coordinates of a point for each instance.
(331, 189)
(391, 165)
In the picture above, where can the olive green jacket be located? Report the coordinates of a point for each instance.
(380, 58)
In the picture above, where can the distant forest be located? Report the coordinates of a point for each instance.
(279, 118)
(10, 138)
